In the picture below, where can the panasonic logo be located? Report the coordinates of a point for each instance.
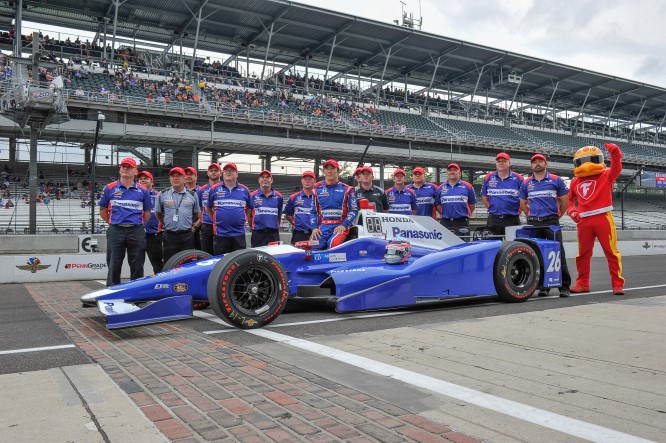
(432, 235)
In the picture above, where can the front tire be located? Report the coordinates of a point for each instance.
(188, 256)
(517, 272)
(248, 288)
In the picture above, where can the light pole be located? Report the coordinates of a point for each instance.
(98, 127)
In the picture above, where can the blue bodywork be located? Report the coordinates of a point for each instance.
(353, 275)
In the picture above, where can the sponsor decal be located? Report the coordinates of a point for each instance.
(363, 253)
(339, 271)
(337, 257)
(586, 189)
(85, 265)
(33, 264)
(162, 286)
(180, 287)
(395, 219)
(413, 233)
(108, 307)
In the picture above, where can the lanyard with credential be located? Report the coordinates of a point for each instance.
(173, 194)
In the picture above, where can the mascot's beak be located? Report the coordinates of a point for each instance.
(588, 169)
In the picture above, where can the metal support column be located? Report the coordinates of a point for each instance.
(406, 96)
(117, 4)
(549, 102)
(381, 80)
(508, 111)
(268, 47)
(328, 64)
(196, 42)
(471, 99)
(610, 114)
(315, 168)
(34, 138)
(633, 127)
(18, 23)
(432, 79)
(656, 130)
(195, 158)
(306, 79)
(381, 174)
(580, 112)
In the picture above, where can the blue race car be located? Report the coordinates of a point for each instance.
(392, 261)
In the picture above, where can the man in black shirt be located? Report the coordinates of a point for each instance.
(374, 194)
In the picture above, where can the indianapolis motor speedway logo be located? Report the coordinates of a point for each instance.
(33, 265)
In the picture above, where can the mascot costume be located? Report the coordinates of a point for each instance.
(590, 206)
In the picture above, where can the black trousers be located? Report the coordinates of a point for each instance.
(548, 234)
(154, 251)
(206, 238)
(263, 237)
(174, 242)
(225, 245)
(458, 226)
(498, 223)
(297, 236)
(197, 238)
(118, 240)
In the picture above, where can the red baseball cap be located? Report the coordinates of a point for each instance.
(419, 169)
(503, 155)
(331, 162)
(231, 166)
(399, 171)
(367, 169)
(128, 161)
(192, 170)
(454, 166)
(146, 173)
(266, 172)
(309, 174)
(538, 157)
(214, 165)
(358, 171)
(177, 170)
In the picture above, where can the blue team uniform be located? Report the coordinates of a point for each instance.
(334, 205)
(503, 194)
(266, 210)
(202, 193)
(543, 195)
(299, 206)
(125, 205)
(455, 200)
(153, 224)
(401, 202)
(425, 198)
(228, 207)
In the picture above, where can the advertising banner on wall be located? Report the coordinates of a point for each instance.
(651, 179)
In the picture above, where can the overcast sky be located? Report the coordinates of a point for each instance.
(624, 38)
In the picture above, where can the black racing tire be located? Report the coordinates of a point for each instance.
(179, 259)
(248, 288)
(516, 272)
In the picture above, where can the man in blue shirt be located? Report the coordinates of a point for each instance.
(401, 199)
(455, 201)
(501, 195)
(229, 206)
(125, 205)
(206, 235)
(266, 205)
(299, 207)
(153, 226)
(425, 193)
(544, 197)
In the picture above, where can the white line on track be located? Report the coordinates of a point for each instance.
(46, 348)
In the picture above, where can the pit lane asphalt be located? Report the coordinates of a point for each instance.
(24, 325)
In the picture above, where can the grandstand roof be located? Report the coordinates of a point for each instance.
(241, 27)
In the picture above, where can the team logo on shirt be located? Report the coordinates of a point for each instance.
(585, 189)
(444, 191)
(117, 194)
(258, 201)
(492, 183)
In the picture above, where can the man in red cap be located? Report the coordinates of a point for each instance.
(177, 208)
(299, 208)
(153, 226)
(425, 193)
(544, 197)
(191, 175)
(206, 234)
(367, 191)
(335, 208)
(456, 201)
(401, 199)
(501, 195)
(267, 204)
(125, 205)
(229, 206)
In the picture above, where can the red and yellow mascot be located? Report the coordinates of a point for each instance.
(590, 206)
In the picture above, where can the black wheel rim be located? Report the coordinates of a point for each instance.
(520, 273)
(252, 290)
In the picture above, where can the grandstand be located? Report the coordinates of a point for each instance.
(317, 99)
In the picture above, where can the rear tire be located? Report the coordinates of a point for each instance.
(248, 288)
(188, 256)
(517, 272)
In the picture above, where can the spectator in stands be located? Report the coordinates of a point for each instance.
(298, 209)
(131, 209)
(153, 226)
(84, 228)
(425, 193)
(455, 201)
(79, 92)
(9, 204)
(267, 205)
(206, 233)
(544, 197)
(500, 193)
(374, 194)
(191, 185)
(401, 200)
(177, 208)
(229, 206)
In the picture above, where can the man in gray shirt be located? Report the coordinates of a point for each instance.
(177, 209)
